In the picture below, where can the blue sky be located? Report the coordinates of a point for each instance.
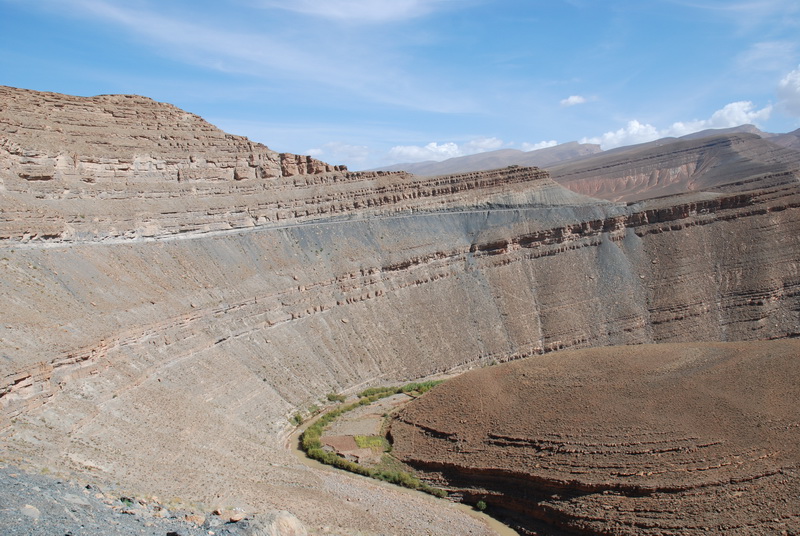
(374, 82)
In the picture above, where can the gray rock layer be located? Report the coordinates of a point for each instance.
(159, 333)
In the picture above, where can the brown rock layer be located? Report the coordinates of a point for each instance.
(667, 439)
(731, 162)
(159, 332)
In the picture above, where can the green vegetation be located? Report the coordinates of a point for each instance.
(297, 419)
(334, 397)
(311, 442)
(480, 506)
(409, 388)
(372, 442)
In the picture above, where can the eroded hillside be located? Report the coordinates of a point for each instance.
(697, 438)
(722, 163)
(164, 314)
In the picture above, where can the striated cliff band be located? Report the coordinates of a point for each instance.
(172, 294)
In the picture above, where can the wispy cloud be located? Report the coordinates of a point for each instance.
(769, 56)
(789, 93)
(371, 72)
(374, 11)
(731, 115)
(749, 14)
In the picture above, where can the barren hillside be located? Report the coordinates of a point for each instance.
(654, 439)
(723, 162)
(172, 294)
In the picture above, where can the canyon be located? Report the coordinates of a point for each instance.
(171, 294)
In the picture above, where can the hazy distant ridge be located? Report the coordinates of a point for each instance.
(498, 159)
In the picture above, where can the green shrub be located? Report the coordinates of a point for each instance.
(297, 419)
(480, 506)
(333, 397)
(369, 442)
(310, 440)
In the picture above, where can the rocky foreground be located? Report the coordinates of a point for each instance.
(172, 295)
(697, 438)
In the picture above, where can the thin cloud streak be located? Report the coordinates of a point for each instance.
(359, 11)
(259, 55)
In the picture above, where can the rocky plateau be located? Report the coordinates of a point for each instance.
(171, 294)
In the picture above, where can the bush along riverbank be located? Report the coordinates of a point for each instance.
(311, 444)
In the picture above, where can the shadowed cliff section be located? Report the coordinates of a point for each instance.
(159, 332)
(654, 439)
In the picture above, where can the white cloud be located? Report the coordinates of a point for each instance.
(789, 93)
(439, 152)
(481, 145)
(731, 115)
(432, 151)
(633, 132)
(536, 146)
(358, 10)
(572, 100)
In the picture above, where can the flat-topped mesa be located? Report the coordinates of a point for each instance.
(118, 138)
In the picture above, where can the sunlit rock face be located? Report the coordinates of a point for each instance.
(171, 294)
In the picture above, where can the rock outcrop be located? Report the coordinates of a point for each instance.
(159, 332)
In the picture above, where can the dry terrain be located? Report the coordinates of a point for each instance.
(172, 295)
(695, 438)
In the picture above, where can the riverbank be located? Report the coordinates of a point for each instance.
(367, 420)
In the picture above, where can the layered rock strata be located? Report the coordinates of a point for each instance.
(665, 439)
(159, 332)
(729, 162)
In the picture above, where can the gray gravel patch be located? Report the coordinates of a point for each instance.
(42, 505)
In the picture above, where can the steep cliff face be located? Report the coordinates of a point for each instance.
(124, 139)
(159, 332)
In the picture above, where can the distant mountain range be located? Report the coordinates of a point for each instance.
(713, 159)
(499, 159)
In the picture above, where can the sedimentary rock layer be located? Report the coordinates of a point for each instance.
(653, 439)
(159, 332)
(730, 162)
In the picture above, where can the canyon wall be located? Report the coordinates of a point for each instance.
(158, 331)
(722, 162)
